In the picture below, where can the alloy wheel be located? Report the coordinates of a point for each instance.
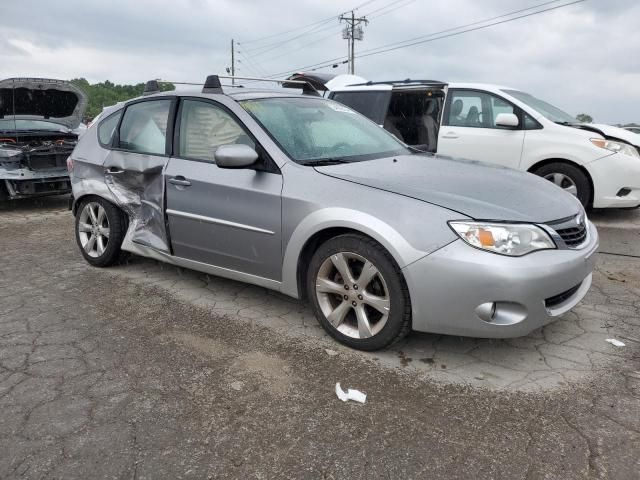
(353, 295)
(93, 229)
(563, 181)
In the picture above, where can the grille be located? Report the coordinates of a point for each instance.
(556, 300)
(574, 236)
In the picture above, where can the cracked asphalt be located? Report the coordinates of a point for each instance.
(147, 371)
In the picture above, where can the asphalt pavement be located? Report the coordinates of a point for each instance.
(147, 371)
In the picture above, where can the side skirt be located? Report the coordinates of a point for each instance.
(149, 252)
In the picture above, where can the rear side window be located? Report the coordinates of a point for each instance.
(370, 104)
(107, 127)
(144, 127)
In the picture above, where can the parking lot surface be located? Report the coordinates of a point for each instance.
(149, 371)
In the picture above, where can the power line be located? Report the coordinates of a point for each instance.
(383, 48)
(388, 5)
(318, 26)
(363, 4)
(468, 29)
(479, 22)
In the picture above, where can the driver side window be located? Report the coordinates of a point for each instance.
(470, 108)
(204, 127)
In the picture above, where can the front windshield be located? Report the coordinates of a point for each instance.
(549, 111)
(314, 131)
(7, 125)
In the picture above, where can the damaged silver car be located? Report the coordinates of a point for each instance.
(40, 121)
(305, 196)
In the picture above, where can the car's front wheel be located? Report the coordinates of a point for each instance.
(358, 293)
(568, 177)
(100, 229)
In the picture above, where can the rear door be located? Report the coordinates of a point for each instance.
(229, 218)
(469, 130)
(134, 165)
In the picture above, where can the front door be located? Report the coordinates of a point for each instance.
(229, 218)
(469, 130)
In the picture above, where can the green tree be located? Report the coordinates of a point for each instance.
(107, 93)
(584, 118)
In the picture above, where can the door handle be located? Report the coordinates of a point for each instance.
(180, 180)
(114, 170)
(450, 135)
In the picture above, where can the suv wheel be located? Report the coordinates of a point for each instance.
(358, 293)
(568, 177)
(100, 229)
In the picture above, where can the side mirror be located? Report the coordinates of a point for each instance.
(507, 120)
(235, 156)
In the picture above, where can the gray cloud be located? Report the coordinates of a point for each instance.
(584, 58)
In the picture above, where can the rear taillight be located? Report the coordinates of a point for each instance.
(69, 164)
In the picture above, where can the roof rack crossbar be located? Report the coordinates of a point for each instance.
(408, 81)
(213, 85)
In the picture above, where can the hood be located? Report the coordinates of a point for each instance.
(474, 189)
(55, 101)
(612, 132)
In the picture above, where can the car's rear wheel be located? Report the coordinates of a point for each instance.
(100, 229)
(568, 177)
(358, 293)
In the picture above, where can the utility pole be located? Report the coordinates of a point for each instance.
(233, 64)
(352, 32)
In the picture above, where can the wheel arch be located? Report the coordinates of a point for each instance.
(548, 161)
(324, 224)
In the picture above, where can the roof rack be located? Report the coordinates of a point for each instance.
(407, 81)
(212, 84)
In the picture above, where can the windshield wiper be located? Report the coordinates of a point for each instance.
(565, 123)
(326, 161)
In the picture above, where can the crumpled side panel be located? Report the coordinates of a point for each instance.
(138, 187)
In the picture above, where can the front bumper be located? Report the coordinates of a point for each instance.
(616, 181)
(452, 288)
(26, 183)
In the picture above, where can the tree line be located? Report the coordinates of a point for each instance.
(104, 94)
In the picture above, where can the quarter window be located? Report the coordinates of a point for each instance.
(469, 108)
(144, 127)
(107, 127)
(204, 127)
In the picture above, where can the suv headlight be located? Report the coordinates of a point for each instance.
(618, 147)
(510, 239)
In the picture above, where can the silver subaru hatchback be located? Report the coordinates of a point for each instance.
(303, 195)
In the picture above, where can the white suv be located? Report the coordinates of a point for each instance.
(599, 164)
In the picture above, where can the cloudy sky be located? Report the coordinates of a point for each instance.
(583, 58)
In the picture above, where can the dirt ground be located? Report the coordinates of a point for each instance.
(146, 371)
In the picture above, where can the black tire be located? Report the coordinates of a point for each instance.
(391, 284)
(117, 224)
(577, 176)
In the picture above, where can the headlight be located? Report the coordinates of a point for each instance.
(617, 147)
(510, 239)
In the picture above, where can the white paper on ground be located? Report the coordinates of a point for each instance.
(350, 394)
(615, 342)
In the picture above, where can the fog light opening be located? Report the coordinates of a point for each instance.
(623, 192)
(501, 313)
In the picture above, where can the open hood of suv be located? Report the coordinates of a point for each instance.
(477, 190)
(55, 101)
